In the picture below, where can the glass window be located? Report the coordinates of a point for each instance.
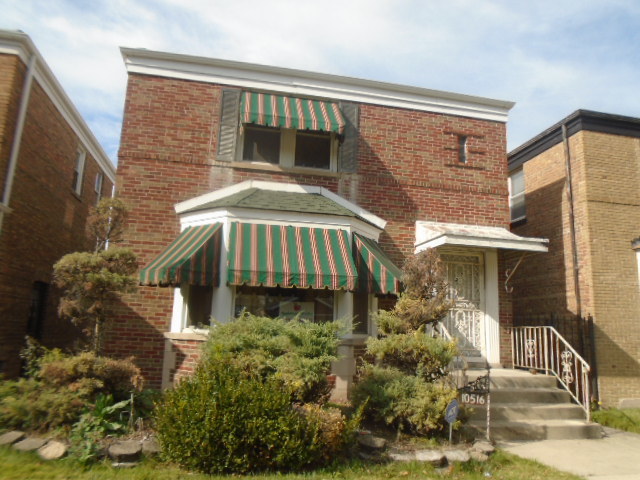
(78, 172)
(313, 150)
(313, 305)
(199, 300)
(261, 144)
(517, 195)
(361, 312)
(462, 148)
(98, 185)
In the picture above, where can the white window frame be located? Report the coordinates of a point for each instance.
(98, 185)
(78, 172)
(288, 150)
(517, 195)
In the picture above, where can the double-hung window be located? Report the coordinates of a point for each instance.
(517, 195)
(78, 173)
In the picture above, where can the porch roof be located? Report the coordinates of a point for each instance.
(435, 234)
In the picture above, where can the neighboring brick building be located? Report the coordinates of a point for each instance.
(262, 151)
(591, 216)
(52, 170)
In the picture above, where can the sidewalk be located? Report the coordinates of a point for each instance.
(614, 457)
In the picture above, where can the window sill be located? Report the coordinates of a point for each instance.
(200, 336)
(519, 221)
(277, 168)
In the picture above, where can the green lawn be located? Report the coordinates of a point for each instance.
(502, 466)
(627, 419)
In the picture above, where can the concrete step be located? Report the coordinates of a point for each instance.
(529, 411)
(501, 378)
(529, 395)
(537, 430)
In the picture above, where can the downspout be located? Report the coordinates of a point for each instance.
(572, 221)
(17, 139)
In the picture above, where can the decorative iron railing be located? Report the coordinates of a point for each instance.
(544, 349)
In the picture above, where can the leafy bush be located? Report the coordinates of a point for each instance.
(296, 352)
(62, 388)
(226, 420)
(406, 402)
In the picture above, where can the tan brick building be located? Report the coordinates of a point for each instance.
(248, 148)
(591, 217)
(52, 170)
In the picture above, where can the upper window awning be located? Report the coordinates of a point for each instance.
(377, 273)
(290, 112)
(435, 234)
(290, 256)
(192, 258)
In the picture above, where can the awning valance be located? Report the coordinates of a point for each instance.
(290, 112)
(376, 272)
(288, 256)
(192, 258)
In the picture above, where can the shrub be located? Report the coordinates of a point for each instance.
(225, 420)
(406, 402)
(297, 353)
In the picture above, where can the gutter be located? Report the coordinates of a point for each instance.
(17, 139)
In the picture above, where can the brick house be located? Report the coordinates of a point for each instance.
(283, 191)
(52, 170)
(591, 217)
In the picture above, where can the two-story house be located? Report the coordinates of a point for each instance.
(52, 170)
(578, 184)
(288, 192)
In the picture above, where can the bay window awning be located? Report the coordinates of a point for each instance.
(192, 258)
(290, 112)
(288, 256)
(377, 273)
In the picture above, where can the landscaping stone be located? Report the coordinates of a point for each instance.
(478, 456)
(457, 456)
(484, 447)
(125, 451)
(371, 442)
(124, 464)
(53, 450)
(434, 457)
(29, 444)
(151, 446)
(398, 456)
(11, 437)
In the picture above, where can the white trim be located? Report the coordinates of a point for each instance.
(311, 84)
(492, 308)
(20, 44)
(279, 187)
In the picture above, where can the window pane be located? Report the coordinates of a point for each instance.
(314, 305)
(361, 312)
(199, 304)
(261, 145)
(517, 182)
(518, 209)
(313, 150)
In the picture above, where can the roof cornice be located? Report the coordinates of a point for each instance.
(579, 120)
(20, 44)
(304, 83)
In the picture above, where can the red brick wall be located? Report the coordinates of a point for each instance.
(408, 171)
(47, 220)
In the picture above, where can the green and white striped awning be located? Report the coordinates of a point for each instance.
(376, 272)
(290, 256)
(290, 112)
(192, 258)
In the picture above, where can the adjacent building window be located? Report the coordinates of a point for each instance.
(289, 147)
(39, 293)
(309, 304)
(98, 185)
(517, 195)
(78, 173)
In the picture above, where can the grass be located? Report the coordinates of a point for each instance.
(627, 419)
(501, 466)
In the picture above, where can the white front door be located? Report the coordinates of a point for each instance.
(465, 321)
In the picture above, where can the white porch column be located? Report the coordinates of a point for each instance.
(492, 307)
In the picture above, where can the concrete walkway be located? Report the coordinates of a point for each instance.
(614, 457)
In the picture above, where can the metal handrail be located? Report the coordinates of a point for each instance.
(544, 349)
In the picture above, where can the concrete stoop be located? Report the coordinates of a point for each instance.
(527, 406)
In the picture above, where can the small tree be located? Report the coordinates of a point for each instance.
(403, 388)
(90, 280)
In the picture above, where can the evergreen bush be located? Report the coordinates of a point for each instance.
(224, 419)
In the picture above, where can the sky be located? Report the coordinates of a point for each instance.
(550, 57)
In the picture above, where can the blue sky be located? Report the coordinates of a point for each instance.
(550, 57)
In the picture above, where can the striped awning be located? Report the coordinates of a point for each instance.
(288, 256)
(290, 112)
(376, 272)
(192, 258)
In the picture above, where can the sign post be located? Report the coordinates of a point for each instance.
(451, 415)
(478, 393)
